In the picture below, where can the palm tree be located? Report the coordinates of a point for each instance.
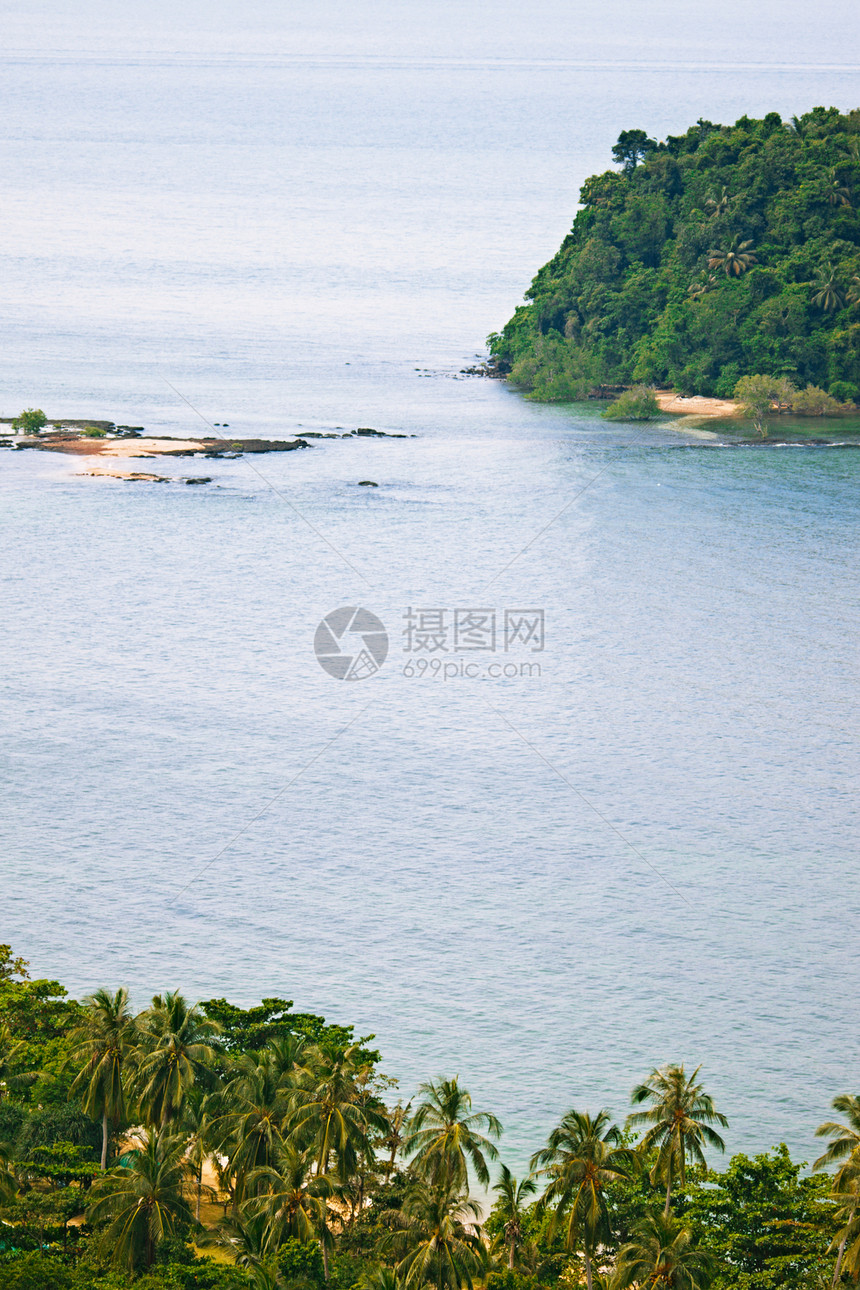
(102, 1042)
(720, 204)
(143, 1201)
(172, 1054)
(290, 1198)
(663, 1254)
(331, 1111)
(837, 193)
(198, 1124)
(853, 294)
(703, 284)
(510, 1207)
(444, 1133)
(257, 1104)
(828, 296)
(679, 1123)
(380, 1278)
(437, 1237)
(393, 1138)
(8, 1178)
(734, 260)
(843, 1150)
(583, 1155)
(242, 1237)
(12, 1078)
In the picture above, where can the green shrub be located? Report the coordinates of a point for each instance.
(638, 404)
(300, 1262)
(814, 402)
(844, 391)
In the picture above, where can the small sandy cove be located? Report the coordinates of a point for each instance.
(695, 405)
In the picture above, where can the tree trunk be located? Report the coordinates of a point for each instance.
(511, 1255)
(668, 1197)
(104, 1140)
(324, 1249)
(587, 1270)
(837, 1271)
(199, 1190)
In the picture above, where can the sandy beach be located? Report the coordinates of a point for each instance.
(695, 405)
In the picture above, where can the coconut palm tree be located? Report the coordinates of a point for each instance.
(436, 1237)
(198, 1124)
(242, 1237)
(734, 260)
(510, 1207)
(380, 1278)
(679, 1123)
(703, 284)
(256, 1103)
(663, 1254)
(290, 1198)
(172, 1054)
(829, 295)
(394, 1137)
(8, 1178)
(582, 1156)
(12, 1052)
(331, 1113)
(837, 193)
(142, 1201)
(844, 1151)
(102, 1043)
(445, 1133)
(718, 205)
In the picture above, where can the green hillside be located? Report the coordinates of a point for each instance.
(725, 251)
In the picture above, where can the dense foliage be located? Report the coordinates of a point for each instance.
(720, 253)
(210, 1147)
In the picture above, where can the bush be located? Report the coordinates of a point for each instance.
(844, 392)
(638, 404)
(814, 402)
(300, 1262)
(30, 421)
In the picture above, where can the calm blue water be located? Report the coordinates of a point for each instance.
(547, 883)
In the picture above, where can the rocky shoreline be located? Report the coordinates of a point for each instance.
(110, 440)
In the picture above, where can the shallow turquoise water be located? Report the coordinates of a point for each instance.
(545, 883)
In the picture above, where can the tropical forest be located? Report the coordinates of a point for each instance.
(204, 1145)
(724, 253)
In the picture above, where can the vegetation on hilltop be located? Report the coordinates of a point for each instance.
(721, 253)
(209, 1147)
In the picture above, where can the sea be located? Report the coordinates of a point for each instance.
(577, 796)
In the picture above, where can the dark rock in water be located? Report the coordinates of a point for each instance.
(367, 483)
(235, 447)
(84, 425)
(367, 433)
(130, 432)
(204, 479)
